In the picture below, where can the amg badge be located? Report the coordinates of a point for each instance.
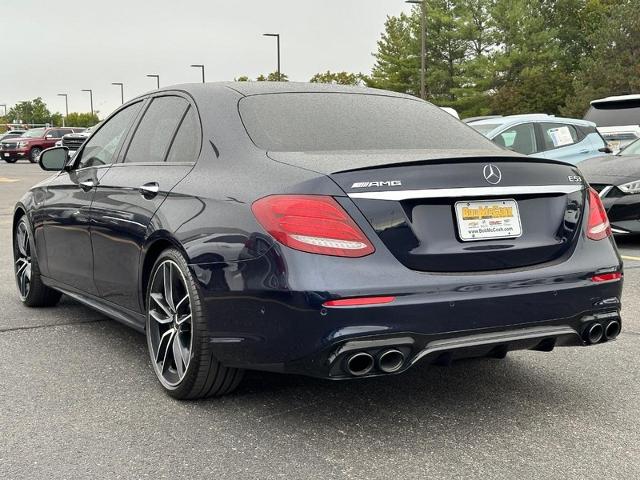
(387, 183)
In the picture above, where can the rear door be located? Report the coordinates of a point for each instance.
(161, 151)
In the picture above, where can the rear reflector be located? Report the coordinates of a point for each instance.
(355, 302)
(607, 277)
(313, 224)
(598, 226)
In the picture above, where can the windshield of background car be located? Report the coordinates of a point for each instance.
(632, 149)
(483, 128)
(312, 122)
(612, 114)
(34, 133)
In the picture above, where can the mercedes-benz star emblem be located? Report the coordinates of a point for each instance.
(492, 174)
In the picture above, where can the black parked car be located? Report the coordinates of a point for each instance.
(331, 231)
(616, 178)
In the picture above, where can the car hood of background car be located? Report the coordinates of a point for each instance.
(611, 169)
(341, 161)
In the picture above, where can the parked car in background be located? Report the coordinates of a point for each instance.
(616, 178)
(11, 134)
(617, 118)
(73, 141)
(544, 136)
(31, 143)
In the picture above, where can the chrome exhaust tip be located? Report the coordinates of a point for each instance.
(359, 364)
(612, 330)
(391, 360)
(594, 333)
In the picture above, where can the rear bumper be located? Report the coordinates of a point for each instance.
(262, 317)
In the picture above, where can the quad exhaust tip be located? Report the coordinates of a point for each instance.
(594, 333)
(612, 330)
(391, 361)
(359, 364)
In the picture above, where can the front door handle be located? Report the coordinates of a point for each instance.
(88, 185)
(149, 190)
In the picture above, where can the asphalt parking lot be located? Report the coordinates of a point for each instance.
(78, 399)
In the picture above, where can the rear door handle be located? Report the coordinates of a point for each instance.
(149, 190)
(88, 185)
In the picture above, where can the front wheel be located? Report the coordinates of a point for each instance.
(34, 154)
(33, 293)
(177, 334)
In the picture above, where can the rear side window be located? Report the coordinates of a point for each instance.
(186, 145)
(156, 130)
(520, 138)
(613, 114)
(558, 135)
(297, 122)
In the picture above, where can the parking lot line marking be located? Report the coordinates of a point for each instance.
(627, 257)
(8, 180)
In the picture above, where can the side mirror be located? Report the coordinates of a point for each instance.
(48, 137)
(606, 149)
(54, 159)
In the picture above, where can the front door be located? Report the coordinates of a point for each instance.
(69, 251)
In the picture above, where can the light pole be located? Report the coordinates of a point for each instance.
(157, 77)
(90, 97)
(277, 35)
(423, 46)
(121, 85)
(5, 109)
(66, 107)
(200, 67)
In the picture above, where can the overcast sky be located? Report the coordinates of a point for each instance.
(65, 46)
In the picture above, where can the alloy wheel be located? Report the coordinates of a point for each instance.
(169, 323)
(35, 153)
(23, 260)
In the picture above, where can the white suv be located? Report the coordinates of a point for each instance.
(617, 118)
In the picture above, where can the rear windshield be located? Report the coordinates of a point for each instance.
(308, 122)
(483, 128)
(613, 114)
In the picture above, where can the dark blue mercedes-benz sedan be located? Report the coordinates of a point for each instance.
(338, 232)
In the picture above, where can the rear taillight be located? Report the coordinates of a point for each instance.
(598, 226)
(312, 223)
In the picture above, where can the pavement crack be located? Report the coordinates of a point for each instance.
(49, 325)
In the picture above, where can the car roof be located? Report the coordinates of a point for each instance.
(260, 88)
(534, 117)
(616, 98)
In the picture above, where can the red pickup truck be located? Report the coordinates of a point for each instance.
(31, 143)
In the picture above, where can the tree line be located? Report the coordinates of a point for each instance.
(514, 56)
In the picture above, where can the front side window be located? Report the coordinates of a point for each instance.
(156, 130)
(632, 149)
(520, 138)
(558, 135)
(101, 149)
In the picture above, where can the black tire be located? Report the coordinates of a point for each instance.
(34, 293)
(34, 154)
(11, 160)
(204, 376)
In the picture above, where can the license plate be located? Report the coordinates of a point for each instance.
(488, 219)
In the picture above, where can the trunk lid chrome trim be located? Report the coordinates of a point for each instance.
(399, 195)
